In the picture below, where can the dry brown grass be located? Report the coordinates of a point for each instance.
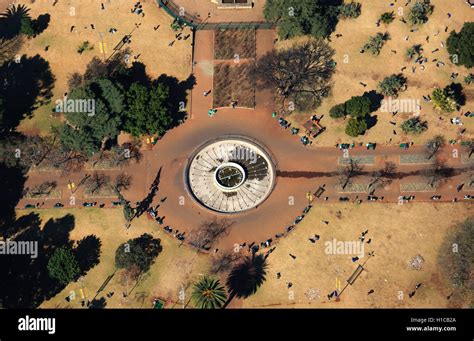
(233, 82)
(398, 233)
(232, 44)
(151, 45)
(175, 267)
(371, 69)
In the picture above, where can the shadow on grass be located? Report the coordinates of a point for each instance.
(26, 85)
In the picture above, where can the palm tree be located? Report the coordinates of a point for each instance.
(246, 277)
(10, 21)
(208, 293)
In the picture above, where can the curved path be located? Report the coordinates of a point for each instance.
(299, 169)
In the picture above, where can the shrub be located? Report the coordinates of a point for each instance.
(338, 111)
(350, 10)
(413, 51)
(356, 127)
(387, 17)
(414, 126)
(375, 43)
(420, 12)
(358, 106)
(391, 85)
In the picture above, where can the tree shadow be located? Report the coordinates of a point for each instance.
(246, 277)
(10, 21)
(25, 279)
(12, 183)
(99, 303)
(26, 85)
(87, 252)
(41, 23)
(374, 98)
(457, 90)
(31, 273)
(144, 205)
(178, 95)
(134, 74)
(371, 121)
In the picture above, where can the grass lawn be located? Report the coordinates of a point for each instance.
(354, 67)
(397, 233)
(233, 82)
(175, 267)
(232, 44)
(149, 45)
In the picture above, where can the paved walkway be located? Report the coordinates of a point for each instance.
(299, 169)
(207, 11)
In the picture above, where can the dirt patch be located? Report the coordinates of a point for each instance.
(233, 83)
(235, 44)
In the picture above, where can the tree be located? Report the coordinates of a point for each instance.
(122, 181)
(382, 177)
(338, 111)
(358, 106)
(456, 256)
(437, 174)
(420, 12)
(387, 17)
(461, 45)
(391, 85)
(209, 233)
(96, 183)
(128, 212)
(434, 145)
(356, 127)
(246, 277)
(414, 126)
(347, 173)
(303, 17)
(443, 100)
(469, 79)
(26, 27)
(375, 43)
(87, 130)
(413, 51)
(63, 266)
(11, 20)
(299, 74)
(208, 293)
(43, 189)
(140, 252)
(350, 10)
(147, 111)
(75, 80)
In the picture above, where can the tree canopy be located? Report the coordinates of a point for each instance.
(86, 131)
(300, 74)
(147, 110)
(462, 45)
(138, 252)
(208, 293)
(303, 17)
(391, 85)
(420, 12)
(63, 265)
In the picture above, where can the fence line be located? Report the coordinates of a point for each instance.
(198, 24)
